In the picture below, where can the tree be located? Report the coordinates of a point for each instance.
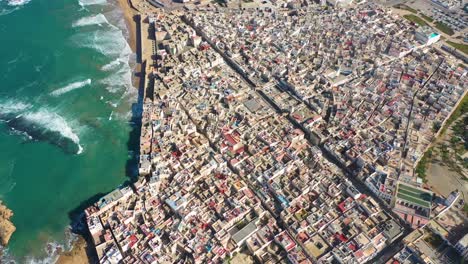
(436, 126)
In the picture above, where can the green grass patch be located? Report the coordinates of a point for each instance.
(461, 47)
(422, 164)
(460, 133)
(459, 111)
(415, 19)
(444, 28)
(427, 18)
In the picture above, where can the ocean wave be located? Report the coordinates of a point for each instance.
(71, 87)
(54, 123)
(12, 5)
(13, 106)
(110, 42)
(52, 251)
(5, 256)
(92, 2)
(118, 81)
(17, 2)
(98, 19)
(113, 64)
(40, 124)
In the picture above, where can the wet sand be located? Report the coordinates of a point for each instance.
(128, 15)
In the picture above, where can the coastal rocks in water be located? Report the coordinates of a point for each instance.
(6, 227)
(76, 255)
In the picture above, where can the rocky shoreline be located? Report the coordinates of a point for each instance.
(6, 226)
(77, 254)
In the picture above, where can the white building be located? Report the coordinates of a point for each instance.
(462, 246)
(426, 36)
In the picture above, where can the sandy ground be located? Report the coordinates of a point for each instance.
(128, 14)
(242, 259)
(76, 255)
(6, 227)
(443, 180)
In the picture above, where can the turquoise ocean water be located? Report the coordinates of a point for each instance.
(65, 106)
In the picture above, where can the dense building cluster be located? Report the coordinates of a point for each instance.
(252, 124)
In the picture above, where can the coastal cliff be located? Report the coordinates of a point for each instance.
(6, 226)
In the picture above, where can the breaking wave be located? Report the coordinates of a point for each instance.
(71, 87)
(52, 251)
(40, 124)
(17, 2)
(92, 2)
(118, 81)
(110, 43)
(10, 6)
(109, 39)
(11, 107)
(112, 65)
(98, 19)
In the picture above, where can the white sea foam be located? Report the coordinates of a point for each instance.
(11, 6)
(54, 122)
(43, 118)
(11, 106)
(52, 249)
(118, 81)
(18, 2)
(70, 87)
(112, 65)
(98, 19)
(92, 2)
(5, 256)
(110, 40)
(110, 43)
